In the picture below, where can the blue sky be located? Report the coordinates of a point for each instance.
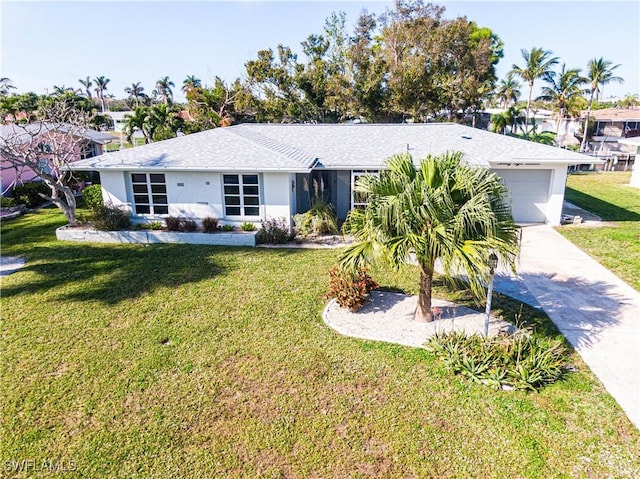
(56, 43)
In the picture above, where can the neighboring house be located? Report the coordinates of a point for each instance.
(612, 124)
(91, 145)
(119, 119)
(252, 172)
(633, 142)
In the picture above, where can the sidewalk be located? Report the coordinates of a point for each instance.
(597, 312)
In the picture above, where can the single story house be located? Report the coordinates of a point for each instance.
(252, 172)
(90, 144)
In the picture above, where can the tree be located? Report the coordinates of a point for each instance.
(5, 86)
(101, 86)
(443, 209)
(136, 122)
(561, 90)
(191, 83)
(508, 91)
(599, 73)
(164, 91)
(46, 148)
(135, 91)
(87, 84)
(538, 62)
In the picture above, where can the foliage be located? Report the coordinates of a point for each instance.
(246, 226)
(210, 224)
(443, 209)
(176, 223)
(228, 227)
(92, 196)
(153, 226)
(319, 220)
(111, 218)
(520, 360)
(7, 202)
(273, 231)
(350, 288)
(31, 194)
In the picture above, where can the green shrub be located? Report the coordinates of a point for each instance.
(154, 226)
(111, 218)
(320, 219)
(175, 223)
(273, 231)
(520, 360)
(246, 226)
(350, 289)
(7, 202)
(92, 196)
(210, 224)
(228, 227)
(29, 194)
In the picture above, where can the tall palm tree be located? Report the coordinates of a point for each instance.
(442, 209)
(135, 91)
(191, 83)
(87, 84)
(537, 63)
(561, 90)
(508, 91)
(599, 73)
(163, 87)
(5, 85)
(101, 86)
(136, 122)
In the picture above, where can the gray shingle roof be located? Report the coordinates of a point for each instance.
(31, 129)
(266, 147)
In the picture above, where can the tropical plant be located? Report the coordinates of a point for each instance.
(350, 288)
(5, 86)
(210, 224)
(442, 209)
(562, 90)
(135, 91)
(87, 84)
(599, 73)
(101, 83)
(538, 62)
(508, 91)
(136, 122)
(247, 226)
(191, 83)
(164, 91)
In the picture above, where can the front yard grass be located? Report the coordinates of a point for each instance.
(196, 361)
(617, 245)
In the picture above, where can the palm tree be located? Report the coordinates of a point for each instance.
(135, 92)
(5, 85)
(163, 88)
(561, 90)
(599, 73)
(136, 122)
(101, 87)
(190, 83)
(87, 84)
(442, 209)
(508, 91)
(537, 63)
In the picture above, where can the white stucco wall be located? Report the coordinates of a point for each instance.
(194, 195)
(278, 189)
(114, 189)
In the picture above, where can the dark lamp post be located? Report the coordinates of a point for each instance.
(492, 263)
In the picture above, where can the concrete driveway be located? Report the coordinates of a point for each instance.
(597, 312)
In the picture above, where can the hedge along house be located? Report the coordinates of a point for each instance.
(253, 172)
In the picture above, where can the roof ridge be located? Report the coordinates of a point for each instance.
(302, 157)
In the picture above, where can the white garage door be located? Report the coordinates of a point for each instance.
(529, 191)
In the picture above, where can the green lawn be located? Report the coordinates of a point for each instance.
(616, 246)
(194, 361)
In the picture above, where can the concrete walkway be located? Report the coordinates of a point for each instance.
(597, 312)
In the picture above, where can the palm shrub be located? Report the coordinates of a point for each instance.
(441, 209)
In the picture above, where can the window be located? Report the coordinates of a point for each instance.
(150, 194)
(358, 200)
(241, 195)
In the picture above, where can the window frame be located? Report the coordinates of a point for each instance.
(355, 174)
(242, 195)
(151, 202)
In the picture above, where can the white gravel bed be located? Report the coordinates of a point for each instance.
(388, 317)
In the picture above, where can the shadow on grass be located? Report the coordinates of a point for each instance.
(607, 211)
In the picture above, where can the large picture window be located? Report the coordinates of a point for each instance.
(241, 195)
(150, 193)
(359, 200)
